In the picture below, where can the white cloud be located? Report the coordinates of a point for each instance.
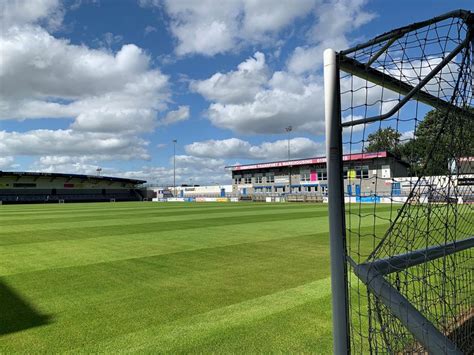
(108, 39)
(21, 12)
(36, 64)
(86, 166)
(334, 22)
(210, 27)
(195, 169)
(204, 27)
(258, 102)
(181, 114)
(47, 77)
(188, 169)
(44, 142)
(225, 148)
(235, 148)
(150, 29)
(6, 162)
(262, 17)
(111, 97)
(263, 105)
(236, 86)
(304, 59)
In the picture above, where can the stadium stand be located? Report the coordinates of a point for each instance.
(31, 187)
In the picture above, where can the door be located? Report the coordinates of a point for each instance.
(357, 190)
(396, 189)
(349, 190)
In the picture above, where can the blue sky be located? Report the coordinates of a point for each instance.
(111, 83)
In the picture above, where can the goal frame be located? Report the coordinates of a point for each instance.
(371, 274)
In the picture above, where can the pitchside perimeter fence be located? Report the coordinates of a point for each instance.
(402, 271)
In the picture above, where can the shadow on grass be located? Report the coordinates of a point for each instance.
(16, 314)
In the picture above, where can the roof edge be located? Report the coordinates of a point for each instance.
(77, 176)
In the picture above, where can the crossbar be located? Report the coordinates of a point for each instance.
(467, 16)
(417, 257)
(361, 70)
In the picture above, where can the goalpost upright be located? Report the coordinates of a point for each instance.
(337, 230)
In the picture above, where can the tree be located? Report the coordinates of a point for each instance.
(384, 139)
(439, 140)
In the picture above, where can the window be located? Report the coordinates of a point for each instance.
(362, 173)
(344, 174)
(271, 178)
(305, 176)
(248, 180)
(258, 179)
(23, 184)
(269, 189)
(237, 181)
(322, 175)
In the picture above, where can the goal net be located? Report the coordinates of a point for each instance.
(403, 269)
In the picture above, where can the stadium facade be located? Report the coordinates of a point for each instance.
(364, 173)
(33, 187)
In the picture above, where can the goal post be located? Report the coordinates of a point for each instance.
(402, 263)
(336, 203)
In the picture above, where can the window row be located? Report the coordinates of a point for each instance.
(294, 189)
(304, 177)
(258, 179)
(362, 173)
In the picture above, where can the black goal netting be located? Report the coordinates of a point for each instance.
(408, 119)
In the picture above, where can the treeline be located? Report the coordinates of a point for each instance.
(438, 141)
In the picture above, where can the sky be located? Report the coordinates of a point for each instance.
(111, 83)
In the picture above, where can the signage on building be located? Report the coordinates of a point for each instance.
(281, 180)
(278, 164)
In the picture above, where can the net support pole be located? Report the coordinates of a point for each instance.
(337, 230)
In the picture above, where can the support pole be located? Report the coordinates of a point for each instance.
(337, 230)
(422, 329)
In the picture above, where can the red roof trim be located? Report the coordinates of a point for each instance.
(319, 160)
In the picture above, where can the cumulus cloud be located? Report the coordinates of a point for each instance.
(43, 76)
(239, 149)
(209, 27)
(44, 142)
(334, 22)
(264, 103)
(6, 162)
(21, 12)
(236, 86)
(256, 101)
(111, 97)
(181, 114)
(189, 169)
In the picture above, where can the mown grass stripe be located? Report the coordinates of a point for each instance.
(128, 215)
(85, 232)
(185, 332)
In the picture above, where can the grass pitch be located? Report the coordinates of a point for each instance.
(154, 277)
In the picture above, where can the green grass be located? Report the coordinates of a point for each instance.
(170, 277)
